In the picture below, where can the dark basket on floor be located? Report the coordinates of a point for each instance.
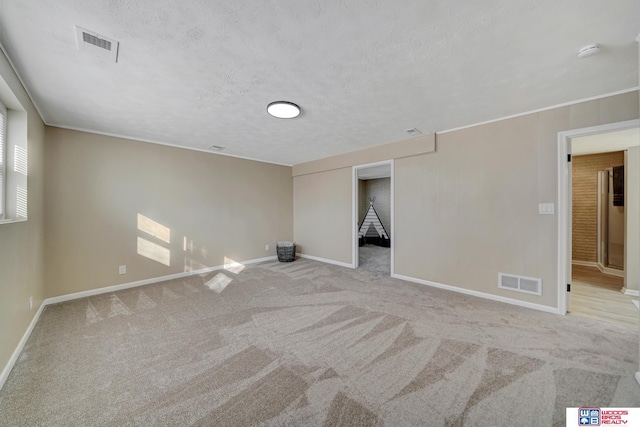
(286, 251)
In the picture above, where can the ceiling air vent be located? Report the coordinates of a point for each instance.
(96, 41)
(413, 132)
(96, 45)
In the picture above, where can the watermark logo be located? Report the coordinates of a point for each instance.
(589, 416)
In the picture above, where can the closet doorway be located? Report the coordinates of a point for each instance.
(373, 217)
(600, 227)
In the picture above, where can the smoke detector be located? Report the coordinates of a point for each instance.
(589, 50)
(96, 45)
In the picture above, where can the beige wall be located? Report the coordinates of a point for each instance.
(409, 147)
(209, 208)
(21, 244)
(363, 204)
(468, 210)
(585, 201)
(632, 207)
(322, 214)
(323, 198)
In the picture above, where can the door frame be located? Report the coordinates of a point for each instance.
(354, 212)
(565, 203)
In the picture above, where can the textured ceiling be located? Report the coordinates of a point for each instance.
(197, 73)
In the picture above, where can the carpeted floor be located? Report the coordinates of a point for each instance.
(311, 344)
(375, 259)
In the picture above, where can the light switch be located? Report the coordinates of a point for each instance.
(546, 208)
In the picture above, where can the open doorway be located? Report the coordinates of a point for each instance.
(598, 225)
(373, 211)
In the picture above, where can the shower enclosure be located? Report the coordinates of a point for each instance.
(610, 236)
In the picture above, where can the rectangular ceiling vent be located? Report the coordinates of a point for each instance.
(96, 41)
(413, 132)
(96, 45)
(528, 285)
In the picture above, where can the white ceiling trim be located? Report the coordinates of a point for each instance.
(24, 86)
(551, 107)
(566, 104)
(218, 153)
(539, 110)
(383, 73)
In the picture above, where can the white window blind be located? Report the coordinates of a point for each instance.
(3, 157)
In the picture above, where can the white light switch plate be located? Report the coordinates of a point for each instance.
(546, 208)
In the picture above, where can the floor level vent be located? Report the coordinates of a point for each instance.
(527, 285)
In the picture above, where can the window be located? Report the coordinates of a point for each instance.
(14, 169)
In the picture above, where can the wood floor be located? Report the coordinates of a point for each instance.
(597, 296)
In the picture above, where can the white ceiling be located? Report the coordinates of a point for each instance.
(197, 73)
(605, 142)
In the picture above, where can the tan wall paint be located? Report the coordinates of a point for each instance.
(585, 201)
(470, 210)
(363, 204)
(222, 207)
(21, 244)
(627, 242)
(395, 150)
(322, 214)
(632, 207)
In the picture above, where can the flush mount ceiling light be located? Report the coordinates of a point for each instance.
(588, 50)
(283, 109)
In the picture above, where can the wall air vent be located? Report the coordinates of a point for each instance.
(96, 45)
(528, 285)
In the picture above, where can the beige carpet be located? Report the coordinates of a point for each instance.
(310, 344)
(375, 259)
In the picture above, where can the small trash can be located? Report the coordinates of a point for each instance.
(286, 251)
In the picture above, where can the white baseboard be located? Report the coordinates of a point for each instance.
(54, 300)
(16, 353)
(584, 263)
(630, 292)
(327, 261)
(107, 289)
(484, 295)
(610, 271)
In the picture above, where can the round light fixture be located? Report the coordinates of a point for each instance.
(283, 109)
(588, 50)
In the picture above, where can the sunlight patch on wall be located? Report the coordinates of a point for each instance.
(196, 255)
(219, 282)
(154, 228)
(154, 251)
(233, 266)
(20, 160)
(21, 202)
(191, 264)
